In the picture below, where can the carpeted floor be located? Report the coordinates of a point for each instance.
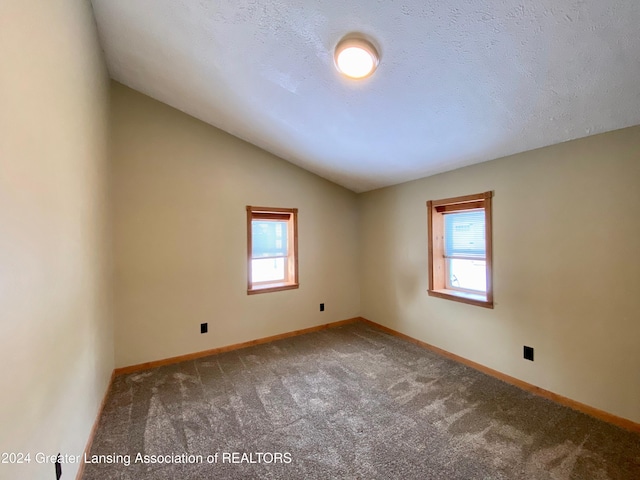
(346, 403)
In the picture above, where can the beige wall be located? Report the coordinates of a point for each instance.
(56, 342)
(566, 268)
(180, 191)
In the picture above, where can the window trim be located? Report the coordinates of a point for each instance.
(437, 261)
(273, 213)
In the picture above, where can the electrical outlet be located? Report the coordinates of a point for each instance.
(528, 353)
(322, 307)
(204, 327)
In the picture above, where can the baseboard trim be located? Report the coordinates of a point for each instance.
(567, 402)
(562, 400)
(228, 348)
(92, 434)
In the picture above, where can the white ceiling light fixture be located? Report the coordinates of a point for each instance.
(356, 57)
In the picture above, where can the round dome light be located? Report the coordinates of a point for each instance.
(356, 57)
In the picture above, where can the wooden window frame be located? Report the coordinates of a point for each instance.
(291, 216)
(436, 209)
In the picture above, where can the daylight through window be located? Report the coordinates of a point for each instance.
(460, 249)
(272, 262)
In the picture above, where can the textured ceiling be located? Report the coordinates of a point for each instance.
(459, 81)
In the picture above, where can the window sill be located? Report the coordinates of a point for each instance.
(462, 297)
(271, 287)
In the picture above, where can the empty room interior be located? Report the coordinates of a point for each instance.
(320, 239)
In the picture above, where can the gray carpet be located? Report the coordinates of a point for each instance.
(350, 402)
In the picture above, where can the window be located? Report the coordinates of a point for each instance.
(460, 251)
(272, 249)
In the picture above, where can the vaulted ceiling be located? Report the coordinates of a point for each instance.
(459, 81)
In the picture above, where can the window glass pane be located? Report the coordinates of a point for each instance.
(268, 270)
(464, 234)
(268, 238)
(468, 274)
